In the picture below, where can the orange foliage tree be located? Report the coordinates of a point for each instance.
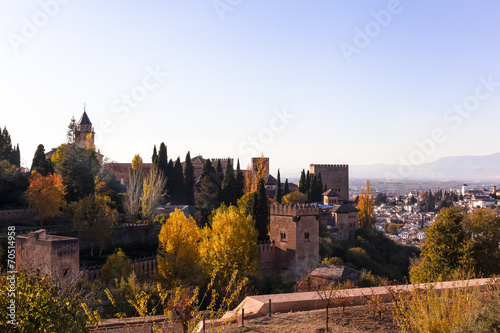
(46, 195)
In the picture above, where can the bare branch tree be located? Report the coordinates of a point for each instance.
(153, 191)
(132, 201)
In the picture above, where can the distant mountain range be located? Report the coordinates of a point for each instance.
(466, 168)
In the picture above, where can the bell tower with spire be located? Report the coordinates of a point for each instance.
(84, 129)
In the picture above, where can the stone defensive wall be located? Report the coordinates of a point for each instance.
(143, 267)
(15, 214)
(294, 209)
(267, 252)
(130, 235)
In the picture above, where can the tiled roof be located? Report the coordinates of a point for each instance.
(330, 193)
(84, 120)
(345, 208)
(336, 272)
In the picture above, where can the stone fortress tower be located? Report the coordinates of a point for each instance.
(335, 176)
(294, 230)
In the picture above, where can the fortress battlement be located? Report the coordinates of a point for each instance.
(322, 166)
(294, 209)
(266, 246)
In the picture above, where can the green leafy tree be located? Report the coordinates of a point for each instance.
(358, 256)
(13, 184)
(295, 197)
(444, 251)
(208, 194)
(78, 168)
(279, 194)
(94, 220)
(459, 243)
(260, 211)
(117, 266)
(482, 229)
(42, 305)
(189, 180)
(178, 255)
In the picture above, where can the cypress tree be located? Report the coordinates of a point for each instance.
(309, 189)
(240, 181)
(178, 182)
(218, 170)
(208, 193)
(278, 195)
(325, 188)
(308, 181)
(302, 182)
(319, 188)
(16, 158)
(163, 159)
(170, 178)
(154, 158)
(5, 145)
(315, 188)
(40, 164)
(287, 189)
(189, 180)
(260, 211)
(228, 188)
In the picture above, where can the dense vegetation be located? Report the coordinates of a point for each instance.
(370, 250)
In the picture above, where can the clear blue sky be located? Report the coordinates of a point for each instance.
(232, 68)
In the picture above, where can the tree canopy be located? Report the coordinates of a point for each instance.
(78, 168)
(230, 243)
(178, 256)
(94, 220)
(459, 243)
(46, 195)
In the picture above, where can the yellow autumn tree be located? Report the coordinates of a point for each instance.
(230, 244)
(366, 206)
(252, 178)
(178, 256)
(89, 141)
(45, 195)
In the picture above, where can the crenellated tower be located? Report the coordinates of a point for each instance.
(335, 176)
(294, 229)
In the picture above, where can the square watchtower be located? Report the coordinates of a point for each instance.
(295, 230)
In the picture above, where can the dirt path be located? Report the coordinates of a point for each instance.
(354, 320)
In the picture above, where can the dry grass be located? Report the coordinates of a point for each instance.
(355, 319)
